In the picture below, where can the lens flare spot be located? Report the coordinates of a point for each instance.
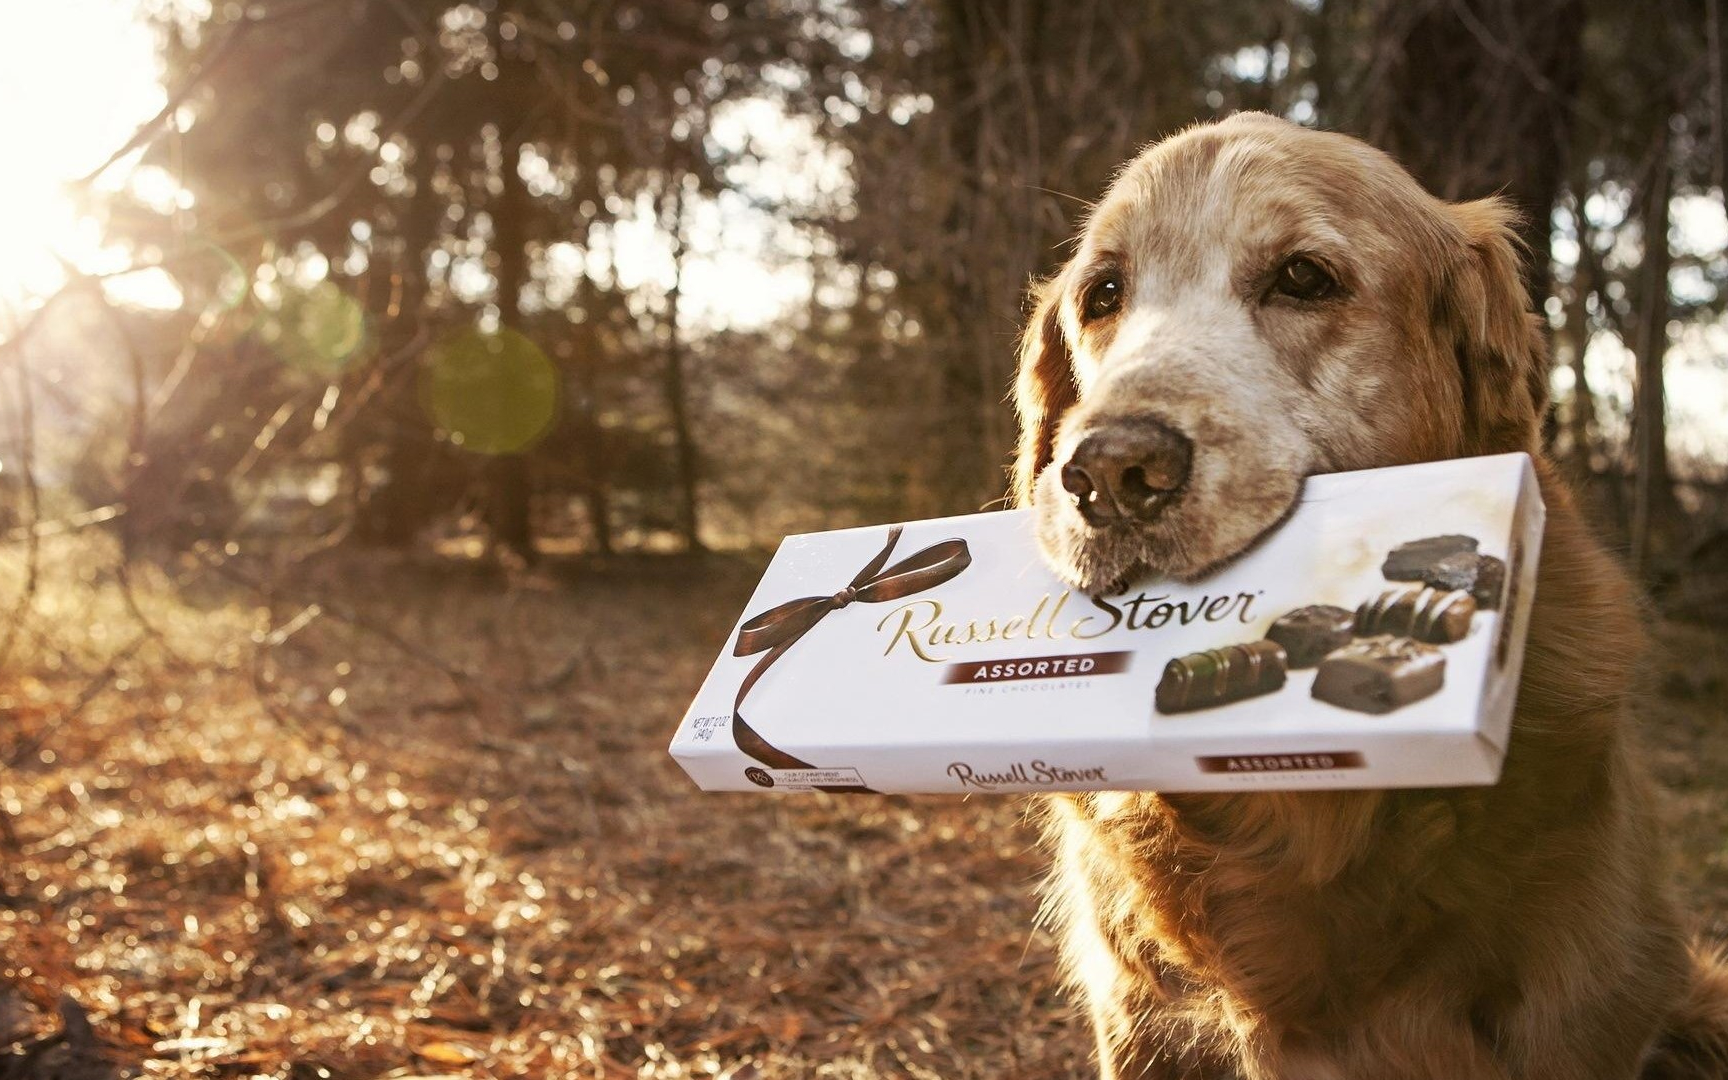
(495, 393)
(319, 330)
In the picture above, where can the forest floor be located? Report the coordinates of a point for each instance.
(429, 828)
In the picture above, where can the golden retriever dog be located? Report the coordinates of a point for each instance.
(1251, 303)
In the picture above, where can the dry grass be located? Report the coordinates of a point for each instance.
(271, 843)
(233, 876)
(1686, 727)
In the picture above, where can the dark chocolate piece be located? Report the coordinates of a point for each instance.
(1490, 582)
(1482, 576)
(1379, 674)
(1430, 615)
(1309, 633)
(1219, 676)
(1410, 562)
(1454, 573)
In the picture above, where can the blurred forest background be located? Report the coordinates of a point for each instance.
(389, 441)
(613, 277)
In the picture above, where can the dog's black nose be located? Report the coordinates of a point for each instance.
(1127, 470)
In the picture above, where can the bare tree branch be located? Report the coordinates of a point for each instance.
(25, 411)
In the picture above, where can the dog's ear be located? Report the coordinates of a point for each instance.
(1501, 349)
(1043, 388)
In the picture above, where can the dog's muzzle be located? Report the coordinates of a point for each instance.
(1127, 470)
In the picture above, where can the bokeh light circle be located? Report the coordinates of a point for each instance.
(494, 392)
(317, 330)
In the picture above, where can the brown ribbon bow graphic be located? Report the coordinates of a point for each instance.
(779, 628)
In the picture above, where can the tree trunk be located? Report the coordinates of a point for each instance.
(1581, 413)
(683, 442)
(969, 380)
(1476, 98)
(1574, 343)
(509, 494)
(393, 512)
(590, 436)
(509, 486)
(598, 492)
(1654, 507)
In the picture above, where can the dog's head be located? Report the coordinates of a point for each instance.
(1250, 303)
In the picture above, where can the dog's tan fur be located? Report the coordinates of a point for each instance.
(1521, 930)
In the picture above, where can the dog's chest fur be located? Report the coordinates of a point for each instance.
(1275, 909)
(1255, 931)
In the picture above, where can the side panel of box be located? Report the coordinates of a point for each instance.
(1408, 761)
(1524, 558)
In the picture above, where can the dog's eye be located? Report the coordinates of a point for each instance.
(1102, 298)
(1304, 279)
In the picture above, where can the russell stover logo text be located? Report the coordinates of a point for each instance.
(927, 634)
(1024, 774)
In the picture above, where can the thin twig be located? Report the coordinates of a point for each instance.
(65, 526)
(1713, 44)
(333, 199)
(462, 681)
(218, 55)
(92, 690)
(26, 414)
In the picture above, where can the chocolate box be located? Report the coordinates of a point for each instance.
(1373, 640)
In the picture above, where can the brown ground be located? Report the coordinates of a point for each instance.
(263, 845)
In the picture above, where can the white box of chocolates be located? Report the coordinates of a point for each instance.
(1372, 640)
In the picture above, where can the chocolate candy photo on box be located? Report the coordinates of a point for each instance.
(1379, 674)
(1451, 563)
(1401, 666)
(1220, 676)
(1414, 560)
(1482, 576)
(1309, 633)
(1425, 614)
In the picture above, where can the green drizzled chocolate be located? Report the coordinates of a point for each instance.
(1219, 676)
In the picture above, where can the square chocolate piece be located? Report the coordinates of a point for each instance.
(1490, 582)
(1482, 576)
(1309, 633)
(1454, 573)
(1379, 674)
(1412, 561)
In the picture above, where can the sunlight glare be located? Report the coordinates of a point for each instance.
(86, 102)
